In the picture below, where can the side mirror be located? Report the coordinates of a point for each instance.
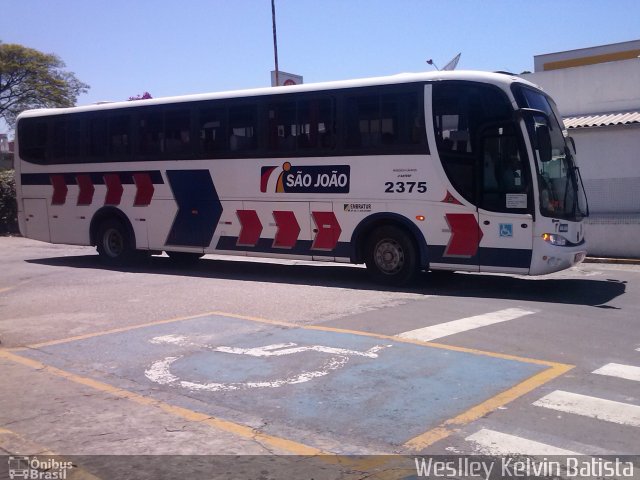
(544, 143)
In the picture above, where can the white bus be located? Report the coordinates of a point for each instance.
(443, 171)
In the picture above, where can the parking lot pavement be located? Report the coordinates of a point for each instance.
(313, 386)
(274, 357)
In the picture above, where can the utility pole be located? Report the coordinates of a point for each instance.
(275, 39)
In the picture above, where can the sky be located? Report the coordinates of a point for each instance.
(123, 48)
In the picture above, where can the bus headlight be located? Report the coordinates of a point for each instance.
(555, 239)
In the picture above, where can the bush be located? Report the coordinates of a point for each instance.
(8, 206)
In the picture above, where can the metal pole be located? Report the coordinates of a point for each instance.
(275, 40)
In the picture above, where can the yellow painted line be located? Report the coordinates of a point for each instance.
(452, 425)
(6, 289)
(75, 473)
(189, 415)
(592, 60)
(554, 369)
(441, 346)
(149, 324)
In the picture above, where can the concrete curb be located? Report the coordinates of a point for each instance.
(617, 261)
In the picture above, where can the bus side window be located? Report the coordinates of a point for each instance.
(120, 137)
(97, 137)
(454, 137)
(363, 122)
(242, 126)
(316, 124)
(212, 123)
(177, 132)
(59, 143)
(283, 131)
(150, 132)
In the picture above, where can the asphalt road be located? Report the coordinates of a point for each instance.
(257, 356)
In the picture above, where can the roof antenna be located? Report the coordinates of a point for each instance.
(453, 63)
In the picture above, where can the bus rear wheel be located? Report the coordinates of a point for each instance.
(114, 243)
(391, 256)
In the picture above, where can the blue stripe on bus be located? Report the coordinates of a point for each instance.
(494, 257)
(301, 247)
(199, 208)
(97, 178)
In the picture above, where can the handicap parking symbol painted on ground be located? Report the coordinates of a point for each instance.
(307, 384)
(160, 372)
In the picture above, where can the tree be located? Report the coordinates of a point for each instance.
(32, 79)
(144, 96)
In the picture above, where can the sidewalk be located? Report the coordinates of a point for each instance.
(618, 261)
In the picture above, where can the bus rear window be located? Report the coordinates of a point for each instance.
(32, 133)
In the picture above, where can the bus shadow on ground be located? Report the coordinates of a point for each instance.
(576, 291)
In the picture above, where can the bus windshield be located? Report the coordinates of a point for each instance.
(561, 190)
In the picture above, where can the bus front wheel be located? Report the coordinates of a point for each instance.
(114, 243)
(391, 256)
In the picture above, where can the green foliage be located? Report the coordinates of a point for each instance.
(8, 206)
(32, 79)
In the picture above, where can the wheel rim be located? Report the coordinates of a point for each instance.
(389, 256)
(113, 242)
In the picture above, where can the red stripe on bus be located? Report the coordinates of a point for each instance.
(86, 189)
(59, 189)
(328, 231)
(114, 189)
(465, 235)
(288, 229)
(251, 228)
(144, 189)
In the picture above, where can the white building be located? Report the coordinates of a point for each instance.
(598, 94)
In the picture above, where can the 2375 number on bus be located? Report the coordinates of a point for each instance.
(405, 187)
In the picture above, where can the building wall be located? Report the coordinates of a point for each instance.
(587, 56)
(608, 156)
(601, 88)
(609, 160)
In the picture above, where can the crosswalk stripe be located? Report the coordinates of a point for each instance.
(498, 443)
(599, 408)
(427, 334)
(628, 372)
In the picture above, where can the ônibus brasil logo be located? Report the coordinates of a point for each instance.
(306, 179)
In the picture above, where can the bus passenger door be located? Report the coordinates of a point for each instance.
(505, 207)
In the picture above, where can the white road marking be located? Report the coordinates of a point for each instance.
(628, 372)
(490, 442)
(599, 408)
(427, 334)
(160, 371)
(284, 349)
(170, 339)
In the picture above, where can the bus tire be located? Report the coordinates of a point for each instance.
(185, 258)
(391, 256)
(114, 243)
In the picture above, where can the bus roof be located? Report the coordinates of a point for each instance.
(469, 75)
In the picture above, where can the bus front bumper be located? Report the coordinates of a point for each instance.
(550, 258)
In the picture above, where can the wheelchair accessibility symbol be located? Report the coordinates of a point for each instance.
(506, 229)
(160, 371)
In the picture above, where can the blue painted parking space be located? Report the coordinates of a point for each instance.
(293, 382)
